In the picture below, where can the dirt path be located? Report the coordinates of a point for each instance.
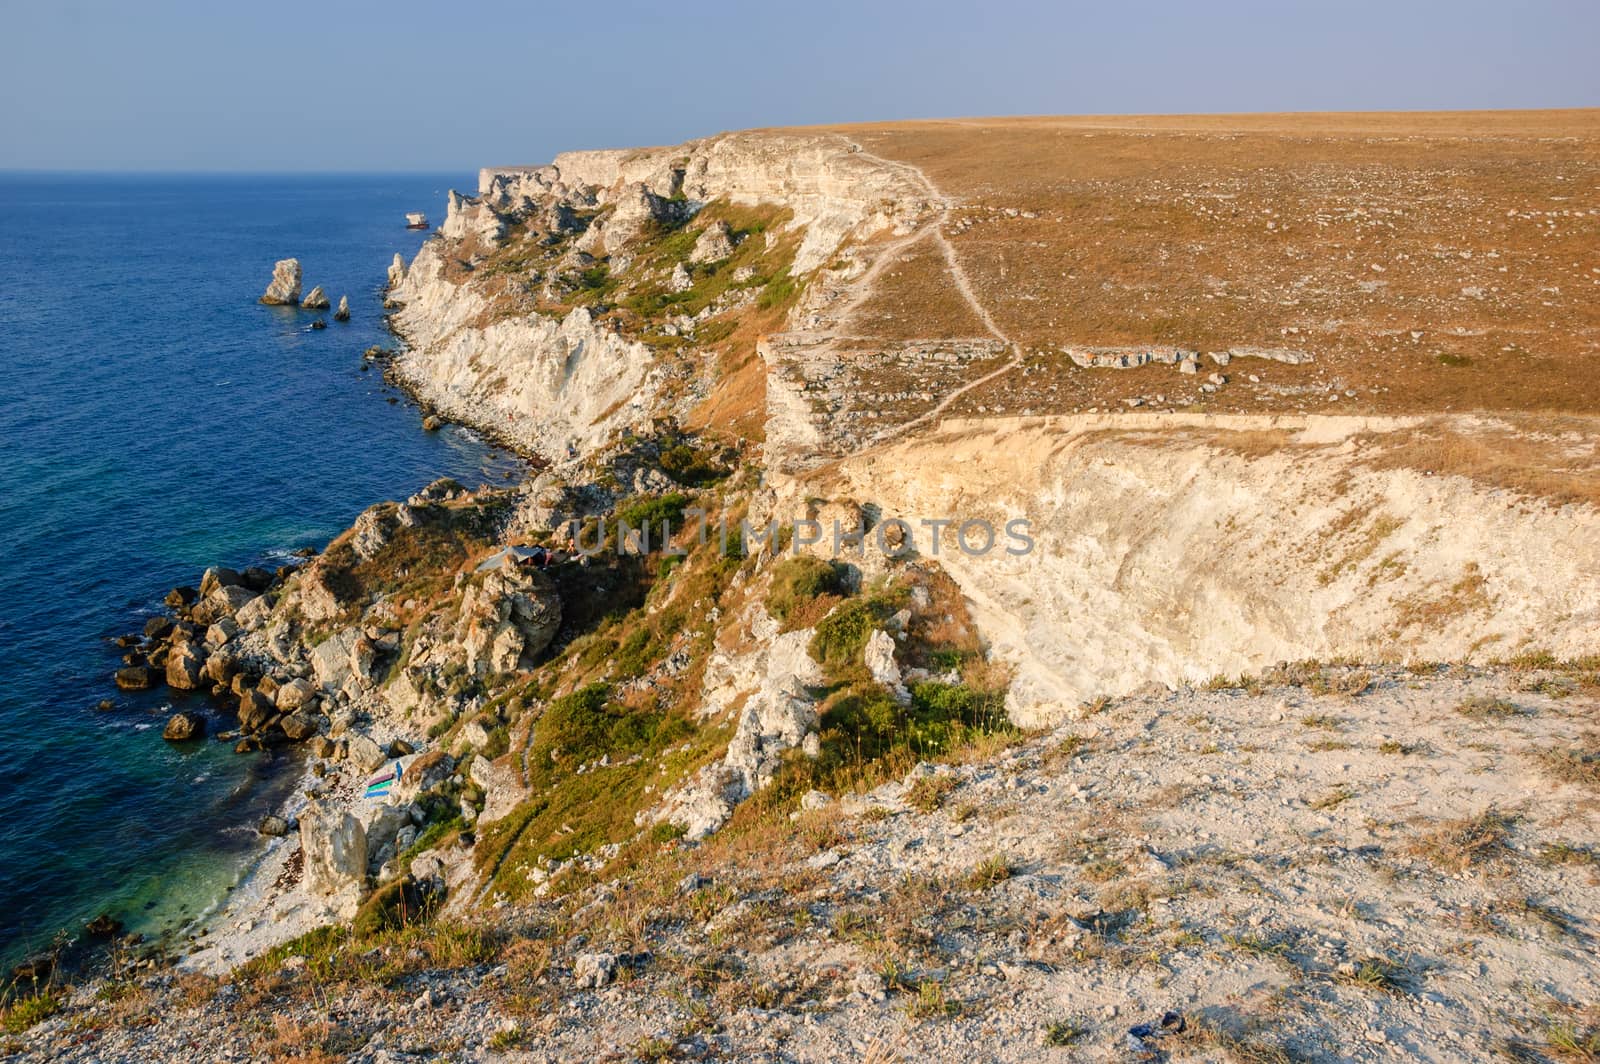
(957, 274)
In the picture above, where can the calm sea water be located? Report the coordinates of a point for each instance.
(154, 420)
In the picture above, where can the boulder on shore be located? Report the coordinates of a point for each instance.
(335, 847)
(255, 710)
(343, 313)
(316, 300)
(185, 667)
(299, 725)
(181, 726)
(285, 287)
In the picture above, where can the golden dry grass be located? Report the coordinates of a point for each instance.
(1428, 261)
(916, 298)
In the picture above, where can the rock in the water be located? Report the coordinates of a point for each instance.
(320, 323)
(158, 628)
(316, 299)
(185, 667)
(431, 423)
(397, 271)
(219, 576)
(136, 678)
(335, 847)
(103, 926)
(343, 313)
(285, 287)
(179, 597)
(255, 710)
(273, 825)
(181, 726)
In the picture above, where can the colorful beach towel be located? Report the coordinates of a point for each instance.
(387, 776)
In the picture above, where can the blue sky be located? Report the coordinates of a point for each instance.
(401, 85)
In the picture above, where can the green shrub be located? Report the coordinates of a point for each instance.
(395, 905)
(653, 511)
(23, 1013)
(778, 291)
(799, 581)
(580, 727)
(687, 465)
(842, 635)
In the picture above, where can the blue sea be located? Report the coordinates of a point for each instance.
(155, 419)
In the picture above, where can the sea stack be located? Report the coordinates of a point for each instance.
(317, 300)
(343, 313)
(285, 287)
(397, 271)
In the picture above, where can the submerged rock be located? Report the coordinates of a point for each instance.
(316, 300)
(136, 679)
(285, 287)
(182, 726)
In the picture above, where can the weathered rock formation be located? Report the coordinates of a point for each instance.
(778, 713)
(334, 844)
(343, 313)
(555, 385)
(285, 286)
(316, 299)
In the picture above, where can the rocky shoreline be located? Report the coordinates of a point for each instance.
(269, 690)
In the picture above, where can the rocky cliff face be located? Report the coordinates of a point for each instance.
(494, 337)
(1165, 550)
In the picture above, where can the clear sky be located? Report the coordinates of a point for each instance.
(224, 85)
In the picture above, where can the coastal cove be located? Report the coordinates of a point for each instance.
(157, 420)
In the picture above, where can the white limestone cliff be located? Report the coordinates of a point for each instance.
(558, 385)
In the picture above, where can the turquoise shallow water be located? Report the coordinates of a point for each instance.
(154, 419)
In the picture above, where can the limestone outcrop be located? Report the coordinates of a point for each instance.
(778, 713)
(1171, 557)
(316, 299)
(507, 616)
(478, 355)
(284, 290)
(334, 844)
